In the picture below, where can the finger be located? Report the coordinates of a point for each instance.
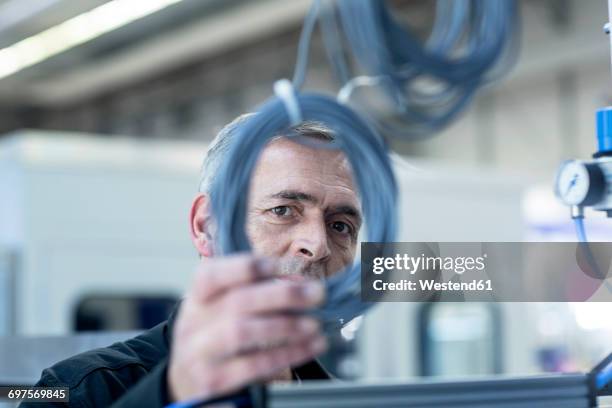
(242, 336)
(271, 296)
(243, 370)
(215, 276)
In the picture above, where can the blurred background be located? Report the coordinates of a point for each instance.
(106, 111)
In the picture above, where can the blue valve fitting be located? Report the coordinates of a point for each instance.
(604, 132)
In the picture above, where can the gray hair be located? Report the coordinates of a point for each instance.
(220, 145)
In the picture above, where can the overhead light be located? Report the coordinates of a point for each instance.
(75, 31)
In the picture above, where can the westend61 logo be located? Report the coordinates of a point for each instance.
(412, 264)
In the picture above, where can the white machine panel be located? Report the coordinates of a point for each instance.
(94, 215)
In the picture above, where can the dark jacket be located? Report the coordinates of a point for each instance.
(126, 374)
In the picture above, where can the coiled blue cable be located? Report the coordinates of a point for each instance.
(366, 152)
(471, 43)
(364, 148)
(369, 160)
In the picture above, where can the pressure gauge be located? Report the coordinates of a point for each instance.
(580, 183)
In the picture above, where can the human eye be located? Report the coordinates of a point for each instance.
(341, 227)
(282, 211)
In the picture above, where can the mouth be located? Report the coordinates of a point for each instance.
(293, 278)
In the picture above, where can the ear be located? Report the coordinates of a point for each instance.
(200, 222)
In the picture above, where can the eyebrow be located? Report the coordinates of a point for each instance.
(295, 195)
(346, 209)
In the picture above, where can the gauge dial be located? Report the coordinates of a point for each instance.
(579, 183)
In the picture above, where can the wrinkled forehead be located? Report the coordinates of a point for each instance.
(284, 159)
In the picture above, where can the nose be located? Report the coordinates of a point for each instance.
(311, 242)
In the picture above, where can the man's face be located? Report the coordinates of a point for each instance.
(303, 208)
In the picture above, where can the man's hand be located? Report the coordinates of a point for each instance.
(233, 328)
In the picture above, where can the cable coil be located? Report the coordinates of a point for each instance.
(427, 84)
(367, 155)
(480, 28)
(364, 148)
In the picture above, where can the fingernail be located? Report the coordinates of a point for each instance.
(308, 325)
(318, 345)
(265, 266)
(313, 291)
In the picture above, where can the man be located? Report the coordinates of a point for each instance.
(232, 327)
